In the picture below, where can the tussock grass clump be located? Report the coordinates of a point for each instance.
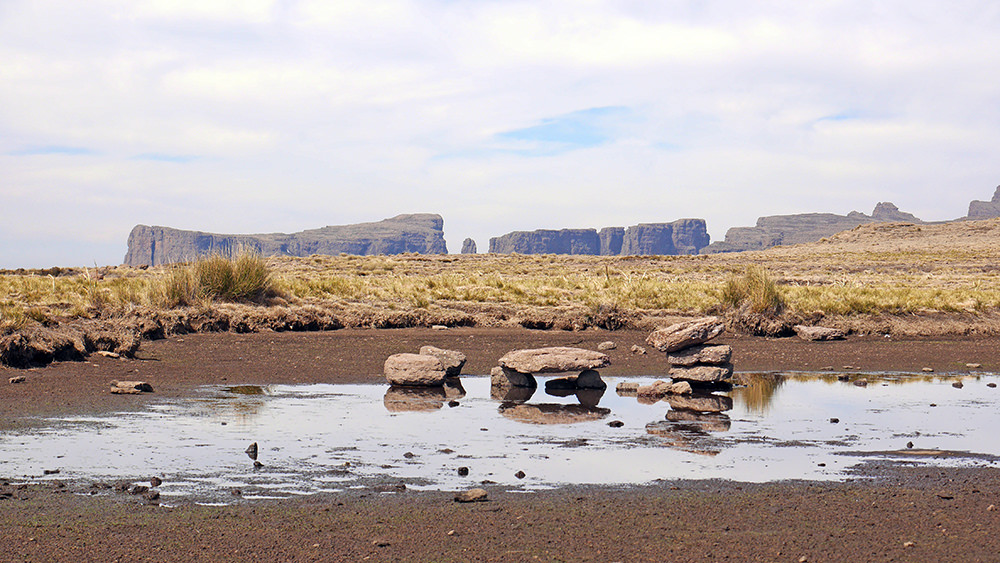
(754, 289)
(245, 278)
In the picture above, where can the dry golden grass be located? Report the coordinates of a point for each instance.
(874, 270)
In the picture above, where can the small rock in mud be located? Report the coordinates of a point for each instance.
(453, 404)
(100, 486)
(826, 368)
(861, 383)
(933, 404)
(991, 385)
(909, 445)
(908, 544)
(236, 492)
(122, 486)
(834, 420)
(50, 471)
(472, 495)
(520, 475)
(409, 455)
(257, 465)
(606, 345)
(463, 471)
(139, 490)
(155, 481)
(251, 451)
(446, 451)
(380, 543)
(843, 377)
(638, 350)
(616, 424)
(17, 379)
(973, 366)
(945, 495)
(391, 488)
(927, 370)
(957, 385)
(151, 496)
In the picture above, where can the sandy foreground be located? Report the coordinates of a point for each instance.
(887, 513)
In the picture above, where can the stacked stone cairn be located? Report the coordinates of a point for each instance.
(424, 381)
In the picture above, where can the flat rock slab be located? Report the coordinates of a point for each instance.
(703, 374)
(414, 369)
(818, 333)
(684, 335)
(706, 354)
(559, 359)
(130, 387)
(452, 360)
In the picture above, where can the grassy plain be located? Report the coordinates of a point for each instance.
(899, 272)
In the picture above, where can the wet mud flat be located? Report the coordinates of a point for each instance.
(329, 439)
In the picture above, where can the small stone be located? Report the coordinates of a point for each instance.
(826, 368)
(945, 495)
(50, 471)
(251, 451)
(472, 495)
(107, 354)
(991, 508)
(927, 370)
(17, 379)
(908, 544)
(803, 559)
(606, 345)
(151, 496)
(155, 481)
(130, 387)
(616, 424)
(909, 445)
(236, 492)
(463, 471)
(958, 385)
(861, 383)
(139, 490)
(933, 404)
(834, 420)
(438, 327)
(818, 333)
(520, 475)
(380, 543)
(409, 455)
(843, 377)
(638, 350)
(973, 366)
(991, 385)
(257, 465)
(451, 532)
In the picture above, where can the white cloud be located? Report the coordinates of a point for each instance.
(293, 114)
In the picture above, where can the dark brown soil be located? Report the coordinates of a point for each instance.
(901, 514)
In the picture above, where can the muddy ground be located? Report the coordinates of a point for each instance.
(888, 513)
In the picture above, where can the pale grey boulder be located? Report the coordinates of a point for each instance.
(414, 369)
(683, 335)
(712, 355)
(702, 374)
(452, 361)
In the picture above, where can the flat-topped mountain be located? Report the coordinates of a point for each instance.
(684, 236)
(803, 227)
(421, 233)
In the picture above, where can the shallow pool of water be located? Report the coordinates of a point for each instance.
(316, 438)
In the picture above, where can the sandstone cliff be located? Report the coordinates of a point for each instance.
(985, 209)
(801, 228)
(685, 236)
(422, 233)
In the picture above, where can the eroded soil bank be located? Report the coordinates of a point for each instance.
(903, 514)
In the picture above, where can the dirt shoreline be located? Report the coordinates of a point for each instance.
(890, 513)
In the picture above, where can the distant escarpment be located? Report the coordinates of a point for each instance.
(421, 233)
(804, 227)
(684, 236)
(985, 209)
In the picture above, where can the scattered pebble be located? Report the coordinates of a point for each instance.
(991, 508)
(639, 350)
(409, 455)
(973, 366)
(50, 471)
(834, 420)
(606, 345)
(107, 354)
(472, 495)
(438, 327)
(155, 481)
(236, 492)
(908, 544)
(453, 404)
(843, 377)
(991, 384)
(957, 385)
(520, 475)
(257, 465)
(927, 370)
(945, 495)
(909, 445)
(826, 368)
(463, 471)
(251, 451)
(616, 424)
(17, 379)
(451, 532)
(139, 490)
(821, 464)
(933, 404)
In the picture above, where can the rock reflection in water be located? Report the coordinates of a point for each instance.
(512, 394)
(685, 437)
(546, 413)
(587, 397)
(453, 388)
(706, 421)
(700, 403)
(412, 399)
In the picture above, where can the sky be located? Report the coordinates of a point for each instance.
(253, 116)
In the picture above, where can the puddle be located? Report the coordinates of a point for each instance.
(317, 438)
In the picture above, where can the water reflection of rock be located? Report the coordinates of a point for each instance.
(705, 421)
(700, 402)
(685, 437)
(511, 394)
(414, 399)
(586, 397)
(547, 413)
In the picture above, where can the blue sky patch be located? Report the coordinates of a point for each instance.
(52, 149)
(577, 130)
